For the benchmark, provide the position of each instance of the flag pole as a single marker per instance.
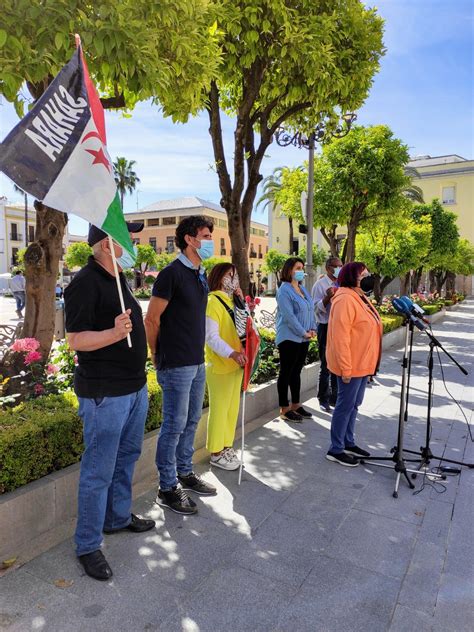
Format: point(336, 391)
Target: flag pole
point(119, 285)
point(243, 438)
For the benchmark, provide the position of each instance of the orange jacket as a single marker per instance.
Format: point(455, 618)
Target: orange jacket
point(354, 342)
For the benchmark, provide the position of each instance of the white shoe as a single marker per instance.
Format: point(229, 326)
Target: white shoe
point(233, 455)
point(225, 461)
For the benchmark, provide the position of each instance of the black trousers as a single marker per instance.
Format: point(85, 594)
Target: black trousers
point(326, 394)
point(292, 357)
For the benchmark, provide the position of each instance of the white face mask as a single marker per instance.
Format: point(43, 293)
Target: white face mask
point(336, 271)
point(230, 283)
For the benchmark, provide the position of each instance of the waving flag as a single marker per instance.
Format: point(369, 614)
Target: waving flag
point(252, 351)
point(58, 153)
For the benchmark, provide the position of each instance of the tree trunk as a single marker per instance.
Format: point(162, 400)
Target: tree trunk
point(349, 252)
point(416, 280)
point(41, 272)
point(291, 232)
point(405, 284)
point(383, 285)
point(330, 237)
point(377, 289)
point(450, 284)
point(239, 240)
point(432, 281)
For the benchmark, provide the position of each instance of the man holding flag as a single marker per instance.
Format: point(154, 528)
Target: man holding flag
point(58, 153)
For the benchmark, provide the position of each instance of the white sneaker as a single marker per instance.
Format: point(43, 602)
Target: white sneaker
point(232, 454)
point(225, 461)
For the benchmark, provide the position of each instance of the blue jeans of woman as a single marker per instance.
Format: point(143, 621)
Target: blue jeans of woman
point(349, 398)
point(113, 437)
point(183, 394)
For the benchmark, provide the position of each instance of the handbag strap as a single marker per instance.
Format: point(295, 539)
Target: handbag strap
point(228, 309)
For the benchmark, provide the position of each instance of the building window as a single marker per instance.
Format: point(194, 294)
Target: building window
point(260, 255)
point(169, 221)
point(223, 250)
point(253, 254)
point(170, 245)
point(152, 242)
point(153, 221)
point(449, 195)
point(14, 256)
point(222, 223)
point(31, 233)
point(14, 232)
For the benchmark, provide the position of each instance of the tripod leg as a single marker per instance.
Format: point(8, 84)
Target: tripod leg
point(397, 483)
point(410, 484)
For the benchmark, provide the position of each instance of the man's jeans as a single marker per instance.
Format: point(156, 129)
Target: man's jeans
point(20, 298)
point(349, 398)
point(183, 394)
point(113, 437)
point(325, 394)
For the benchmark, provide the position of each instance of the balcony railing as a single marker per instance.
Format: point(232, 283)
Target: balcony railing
point(223, 252)
point(16, 237)
point(253, 255)
point(260, 255)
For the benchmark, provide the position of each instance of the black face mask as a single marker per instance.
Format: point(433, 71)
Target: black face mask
point(367, 284)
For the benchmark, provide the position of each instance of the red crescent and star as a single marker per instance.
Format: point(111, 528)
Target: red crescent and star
point(99, 155)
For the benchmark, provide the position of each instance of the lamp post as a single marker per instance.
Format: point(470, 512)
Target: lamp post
point(259, 276)
point(298, 139)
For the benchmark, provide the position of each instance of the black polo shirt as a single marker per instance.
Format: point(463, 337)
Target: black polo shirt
point(92, 304)
point(183, 323)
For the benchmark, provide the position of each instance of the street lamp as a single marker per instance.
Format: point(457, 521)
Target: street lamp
point(259, 276)
point(299, 139)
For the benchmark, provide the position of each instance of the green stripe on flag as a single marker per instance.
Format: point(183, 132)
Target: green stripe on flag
point(115, 226)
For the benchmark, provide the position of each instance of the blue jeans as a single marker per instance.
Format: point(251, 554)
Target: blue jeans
point(349, 398)
point(20, 298)
point(113, 437)
point(183, 394)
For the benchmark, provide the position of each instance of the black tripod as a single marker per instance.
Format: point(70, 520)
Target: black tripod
point(425, 452)
point(397, 452)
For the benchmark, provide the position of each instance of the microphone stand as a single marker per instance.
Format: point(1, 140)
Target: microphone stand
point(397, 452)
point(425, 451)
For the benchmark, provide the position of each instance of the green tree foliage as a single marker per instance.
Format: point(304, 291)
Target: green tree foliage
point(319, 255)
point(125, 177)
point(358, 179)
point(282, 192)
point(208, 264)
point(77, 255)
point(273, 262)
point(283, 63)
point(392, 246)
point(146, 258)
point(163, 259)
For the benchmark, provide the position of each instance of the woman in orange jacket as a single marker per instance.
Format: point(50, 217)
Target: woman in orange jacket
point(353, 351)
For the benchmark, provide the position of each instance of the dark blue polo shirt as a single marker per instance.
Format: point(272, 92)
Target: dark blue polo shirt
point(183, 323)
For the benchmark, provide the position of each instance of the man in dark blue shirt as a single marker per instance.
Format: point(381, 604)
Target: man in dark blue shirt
point(175, 326)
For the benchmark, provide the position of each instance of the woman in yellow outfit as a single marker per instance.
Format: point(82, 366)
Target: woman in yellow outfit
point(225, 359)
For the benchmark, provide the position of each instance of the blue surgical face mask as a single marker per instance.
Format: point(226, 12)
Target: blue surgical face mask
point(126, 260)
point(336, 271)
point(298, 275)
point(206, 250)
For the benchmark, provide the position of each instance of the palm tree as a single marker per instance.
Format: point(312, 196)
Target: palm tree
point(125, 178)
point(412, 192)
point(272, 185)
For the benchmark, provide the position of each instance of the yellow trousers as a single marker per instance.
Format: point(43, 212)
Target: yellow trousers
point(224, 402)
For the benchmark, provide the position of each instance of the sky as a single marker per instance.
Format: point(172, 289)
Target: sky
point(424, 91)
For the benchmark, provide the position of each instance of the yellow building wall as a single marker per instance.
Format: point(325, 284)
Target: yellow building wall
point(463, 207)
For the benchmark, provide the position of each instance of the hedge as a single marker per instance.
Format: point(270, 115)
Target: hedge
point(43, 435)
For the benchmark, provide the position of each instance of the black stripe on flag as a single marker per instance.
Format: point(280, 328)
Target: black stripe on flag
point(36, 150)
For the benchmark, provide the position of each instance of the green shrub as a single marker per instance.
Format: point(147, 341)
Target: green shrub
point(43, 435)
point(391, 322)
point(431, 309)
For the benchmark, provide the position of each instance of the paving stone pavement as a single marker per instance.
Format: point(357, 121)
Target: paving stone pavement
point(302, 544)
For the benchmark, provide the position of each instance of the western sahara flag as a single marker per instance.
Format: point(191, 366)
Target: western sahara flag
point(58, 153)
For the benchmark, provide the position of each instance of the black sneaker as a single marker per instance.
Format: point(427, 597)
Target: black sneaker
point(325, 406)
point(291, 415)
point(177, 500)
point(354, 450)
point(195, 483)
point(342, 458)
point(303, 412)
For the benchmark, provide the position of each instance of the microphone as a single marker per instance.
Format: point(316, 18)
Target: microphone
point(403, 309)
point(415, 309)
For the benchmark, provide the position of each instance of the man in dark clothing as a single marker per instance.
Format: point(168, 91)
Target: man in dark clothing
point(110, 383)
point(175, 326)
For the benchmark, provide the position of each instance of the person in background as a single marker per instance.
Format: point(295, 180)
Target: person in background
point(18, 288)
point(176, 330)
point(58, 291)
point(353, 352)
point(225, 359)
point(295, 327)
point(110, 383)
point(322, 293)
